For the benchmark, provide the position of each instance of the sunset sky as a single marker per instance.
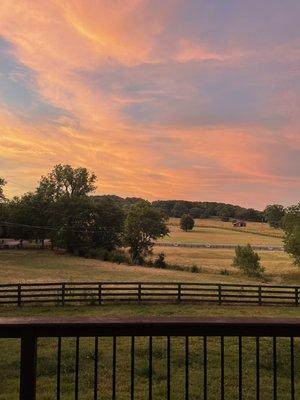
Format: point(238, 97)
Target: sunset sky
point(185, 99)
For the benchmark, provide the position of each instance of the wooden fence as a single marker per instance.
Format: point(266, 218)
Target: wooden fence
point(98, 293)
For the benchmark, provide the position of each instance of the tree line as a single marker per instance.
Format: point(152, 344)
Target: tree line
point(64, 210)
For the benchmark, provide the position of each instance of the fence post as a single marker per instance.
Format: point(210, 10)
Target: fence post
point(28, 367)
point(19, 295)
point(139, 293)
point(220, 294)
point(259, 295)
point(179, 293)
point(62, 294)
point(296, 296)
point(100, 294)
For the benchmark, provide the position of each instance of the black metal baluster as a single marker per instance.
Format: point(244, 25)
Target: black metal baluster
point(292, 369)
point(168, 368)
point(114, 360)
point(240, 368)
point(274, 369)
point(222, 367)
point(186, 368)
point(257, 370)
point(205, 368)
point(132, 368)
point(150, 369)
point(77, 369)
point(58, 370)
point(96, 351)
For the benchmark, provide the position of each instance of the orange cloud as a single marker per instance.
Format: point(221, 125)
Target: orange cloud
point(102, 63)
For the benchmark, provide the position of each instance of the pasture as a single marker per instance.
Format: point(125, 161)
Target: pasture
point(33, 266)
point(216, 231)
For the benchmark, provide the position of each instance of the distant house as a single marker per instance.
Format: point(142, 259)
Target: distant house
point(239, 224)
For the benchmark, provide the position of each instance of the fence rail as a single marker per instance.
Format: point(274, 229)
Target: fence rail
point(99, 293)
point(266, 349)
point(218, 246)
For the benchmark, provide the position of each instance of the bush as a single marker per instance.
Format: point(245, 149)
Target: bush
point(160, 262)
point(195, 269)
point(119, 257)
point(186, 223)
point(224, 272)
point(248, 261)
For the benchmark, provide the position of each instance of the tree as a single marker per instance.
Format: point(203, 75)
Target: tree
point(107, 223)
point(27, 218)
point(291, 227)
point(179, 209)
point(64, 193)
point(144, 223)
point(2, 183)
point(248, 261)
point(274, 214)
point(66, 181)
point(186, 223)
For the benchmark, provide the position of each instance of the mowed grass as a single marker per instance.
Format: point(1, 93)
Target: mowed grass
point(219, 236)
point(46, 266)
point(33, 266)
point(279, 267)
point(47, 361)
point(261, 228)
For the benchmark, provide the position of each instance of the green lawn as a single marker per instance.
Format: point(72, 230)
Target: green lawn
point(45, 266)
point(9, 359)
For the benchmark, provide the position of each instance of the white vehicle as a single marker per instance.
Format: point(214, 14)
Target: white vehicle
point(10, 244)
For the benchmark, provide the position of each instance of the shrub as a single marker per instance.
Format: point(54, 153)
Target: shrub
point(186, 223)
point(224, 272)
point(119, 257)
point(248, 261)
point(160, 262)
point(195, 269)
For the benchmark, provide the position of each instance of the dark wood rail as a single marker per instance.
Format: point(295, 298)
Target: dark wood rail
point(99, 293)
point(283, 333)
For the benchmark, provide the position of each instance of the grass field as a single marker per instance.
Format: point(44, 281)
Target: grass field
point(279, 267)
point(260, 228)
point(216, 231)
point(9, 359)
point(45, 266)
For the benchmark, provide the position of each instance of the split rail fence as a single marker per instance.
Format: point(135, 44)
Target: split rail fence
point(99, 293)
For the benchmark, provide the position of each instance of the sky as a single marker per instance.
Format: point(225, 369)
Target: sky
point(173, 99)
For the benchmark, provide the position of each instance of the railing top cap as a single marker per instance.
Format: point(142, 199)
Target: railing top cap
point(134, 321)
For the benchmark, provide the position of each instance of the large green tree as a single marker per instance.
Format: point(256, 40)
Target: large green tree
point(291, 227)
point(143, 225)
point(64, 193)
point(64, 181)
point(186, 223)
point(274, 214)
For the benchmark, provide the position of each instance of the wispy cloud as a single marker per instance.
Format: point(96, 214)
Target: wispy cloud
point(189, 99)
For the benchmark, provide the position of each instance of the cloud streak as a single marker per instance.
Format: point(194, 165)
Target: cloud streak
point(185, 99)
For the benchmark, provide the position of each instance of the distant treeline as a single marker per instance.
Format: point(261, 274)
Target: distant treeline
point(196, 209)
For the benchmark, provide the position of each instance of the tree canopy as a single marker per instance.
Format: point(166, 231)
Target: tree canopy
point(186, 223)
point(144, 224)
point(291, 227)
point(274, 214)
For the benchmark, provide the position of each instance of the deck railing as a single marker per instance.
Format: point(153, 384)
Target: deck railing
point(98, 293)
point(216, 358)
